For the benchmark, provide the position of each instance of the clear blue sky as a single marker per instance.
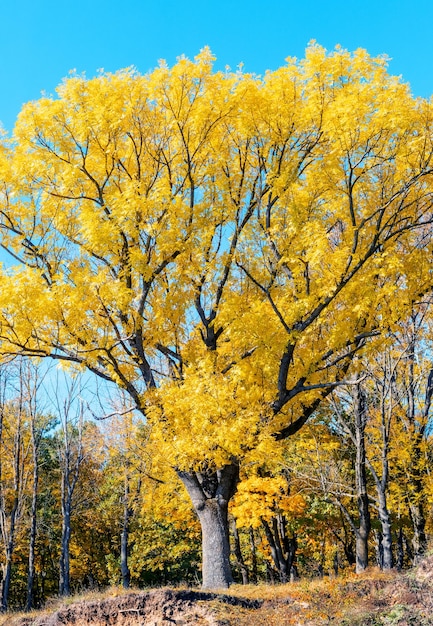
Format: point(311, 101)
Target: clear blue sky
point(41, 40)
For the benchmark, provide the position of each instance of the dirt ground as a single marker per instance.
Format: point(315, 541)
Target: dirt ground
point(374, 599)
point(161, 607)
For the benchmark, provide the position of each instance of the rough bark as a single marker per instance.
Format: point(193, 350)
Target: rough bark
point(71, 458)
point(210, 492)
point(385, 520)
point(419, 540)
point(387, 559)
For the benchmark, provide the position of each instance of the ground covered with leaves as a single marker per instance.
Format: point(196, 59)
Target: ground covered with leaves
point(374, 598)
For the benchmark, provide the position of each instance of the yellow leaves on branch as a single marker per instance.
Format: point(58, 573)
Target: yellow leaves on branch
point(259, 499)
point(177, 231)
point(207, 416)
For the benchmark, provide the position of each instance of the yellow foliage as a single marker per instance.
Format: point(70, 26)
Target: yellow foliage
point(260, 499)
point(216, 243)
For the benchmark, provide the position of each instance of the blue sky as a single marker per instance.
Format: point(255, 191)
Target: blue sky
point(41, 40)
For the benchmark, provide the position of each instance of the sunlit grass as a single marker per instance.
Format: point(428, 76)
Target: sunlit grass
point(372, 598)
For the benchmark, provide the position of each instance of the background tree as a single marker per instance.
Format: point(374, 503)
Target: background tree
point(266, 502)
point(31, 379)
point(128, 461)
point(73, 448)
point(412, 393)
point(15, 466)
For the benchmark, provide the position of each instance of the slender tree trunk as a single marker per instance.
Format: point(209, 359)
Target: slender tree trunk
point(387, 559)
point(349, 553)
point(385, 520)
point(403, 545)
point(64, 580)
point(210, 492)
point(293, 570)
point(347, 540)
point(400, 550)
point(419, 541)
point(417, 473)
point(253, 555)
point(7, 568)
point(71, 457)
point(283, 548)
point(33, 521)
point(335, 564)
point(416, 506)
point(124, 538)
point(6, 582)
point(379, 548)
point(360, 413)
point(9, 534)
point(276, 550)
point(238, 553)
point(32, 542)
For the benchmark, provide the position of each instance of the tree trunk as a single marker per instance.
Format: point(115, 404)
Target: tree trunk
point(360, 414)
point(6, 583)
point(276, 550)
point(416, 471)
point(64, 580)
point(419, 541)
point(71, 457)
point(7, 568)
point(238, 553)
point(32, 542)
point(210, 492)
point(283, 548)
point(33, 521)
point(381, 482)
point(387, 559)
point(293, 546)
point(400, 550)
point(379, 548)
point(361, 550)
point(347, 539)
point(215, 544)
point(124, 538)
point(253, 555)
point(385, 520)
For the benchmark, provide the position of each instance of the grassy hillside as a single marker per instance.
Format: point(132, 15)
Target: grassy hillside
point(373, 599)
